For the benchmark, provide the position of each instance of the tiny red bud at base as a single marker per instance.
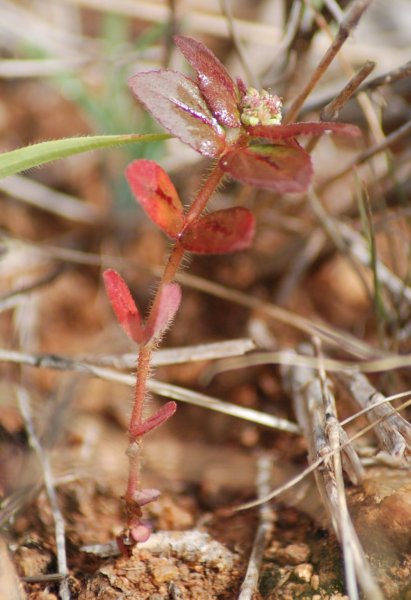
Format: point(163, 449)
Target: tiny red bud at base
point(141, 532)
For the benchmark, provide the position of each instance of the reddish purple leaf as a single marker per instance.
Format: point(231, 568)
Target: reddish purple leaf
point(283, 169)
point(159, 417)
point(223, 231)
point(123, 305)
point(214, 81)
point(282, 132)
point(166, 310)
point(176, 102)
point(155, 192)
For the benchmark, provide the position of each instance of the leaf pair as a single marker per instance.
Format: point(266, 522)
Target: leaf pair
point(200, 112)
point(228, 230)
point(128, 314)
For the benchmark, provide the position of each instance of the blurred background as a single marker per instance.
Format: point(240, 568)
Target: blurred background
point(64, 66)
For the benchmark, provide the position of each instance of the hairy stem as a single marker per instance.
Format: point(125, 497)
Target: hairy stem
point(144, 357)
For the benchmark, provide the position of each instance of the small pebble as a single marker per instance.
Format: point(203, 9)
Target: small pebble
point(293, 554)
point(315, 582)
point(304, 571)
point(164, 571)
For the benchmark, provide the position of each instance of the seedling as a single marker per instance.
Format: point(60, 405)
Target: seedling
point(240, 129)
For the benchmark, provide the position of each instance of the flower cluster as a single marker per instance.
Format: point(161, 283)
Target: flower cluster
point(221, 119)
point(260, 108)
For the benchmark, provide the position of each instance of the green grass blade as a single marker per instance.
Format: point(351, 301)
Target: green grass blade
point(39, 154)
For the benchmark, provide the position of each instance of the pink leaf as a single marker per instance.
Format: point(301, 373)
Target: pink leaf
point(157, 195)
point(159, 417)
point(141, 532)
point(176, 102)
point(213, 80)
point(282, 132)
point(168, 304)
point(145, 496)
point(223, 231)
point(123, 305)
point(283, 169)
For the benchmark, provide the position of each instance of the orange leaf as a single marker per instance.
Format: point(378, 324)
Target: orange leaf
point(157, 195)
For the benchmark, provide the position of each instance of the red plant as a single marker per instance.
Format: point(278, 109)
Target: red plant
point(240, 128)
point(222, 231)
point(220, 119)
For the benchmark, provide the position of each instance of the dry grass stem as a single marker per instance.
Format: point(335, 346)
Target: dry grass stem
point(163, 389)
point(175, 356)
point(387, 79)
point(196, 21)
point(349, 22)
point(42, 197)
point(393, 432)
point(293, 481)
point(16, 296)
point(191, 546)
point(328, 334)
point(264, 530)
point(390, 140)
point(59, 523)
point(314, 405)
point(332, 109)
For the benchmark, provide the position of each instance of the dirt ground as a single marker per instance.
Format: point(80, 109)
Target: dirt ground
point(205, 463)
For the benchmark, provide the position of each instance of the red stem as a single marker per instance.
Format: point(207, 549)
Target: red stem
point(144, 357)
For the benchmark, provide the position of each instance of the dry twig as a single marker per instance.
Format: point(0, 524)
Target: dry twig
point(393, 432)
point(332, 109)
point(162, 389)
point(330, 335)
point(59, 523)
point(314, 406)
point(346, 26)
point(191, 546)
point(263, 533)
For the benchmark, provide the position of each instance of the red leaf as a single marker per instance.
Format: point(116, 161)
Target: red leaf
point(176, 102)
point(123, 305)
point(159, 417)
point(213, 80)
point(223, 231)
point(167, 307)
point(282, 132)
point(283, 169)
point(157, 195)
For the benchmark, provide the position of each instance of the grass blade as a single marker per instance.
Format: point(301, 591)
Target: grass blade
point(39, 154)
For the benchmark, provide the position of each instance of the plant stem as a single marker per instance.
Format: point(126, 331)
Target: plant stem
point(144, 356)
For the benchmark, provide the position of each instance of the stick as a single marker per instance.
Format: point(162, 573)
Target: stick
point(59, 524)
point(163, 389)
point(332, 109)
point(263, 533)
point(394, 432)
point(347, 25)
point(314, 405)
